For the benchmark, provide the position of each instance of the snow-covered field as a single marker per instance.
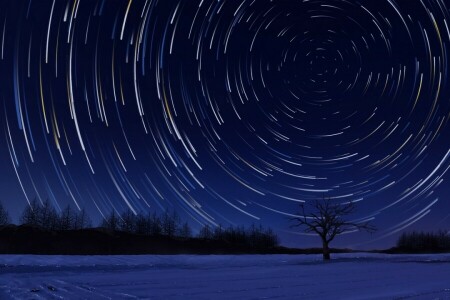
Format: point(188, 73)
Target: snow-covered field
point(348, 276)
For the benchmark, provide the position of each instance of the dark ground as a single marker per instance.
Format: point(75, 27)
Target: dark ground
point(25, 239)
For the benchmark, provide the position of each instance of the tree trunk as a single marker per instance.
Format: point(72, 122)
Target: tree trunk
point(325, 250)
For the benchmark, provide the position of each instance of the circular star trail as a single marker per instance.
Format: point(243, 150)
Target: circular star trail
point(228, 111)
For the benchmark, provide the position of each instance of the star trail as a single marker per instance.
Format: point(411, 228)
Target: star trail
point(230, 112)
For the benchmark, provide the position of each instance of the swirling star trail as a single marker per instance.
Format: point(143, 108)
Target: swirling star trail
point(229, 112)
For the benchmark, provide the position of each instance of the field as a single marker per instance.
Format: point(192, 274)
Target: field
point(348, 276)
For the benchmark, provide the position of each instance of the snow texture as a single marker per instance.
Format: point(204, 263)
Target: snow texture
point(347, 276)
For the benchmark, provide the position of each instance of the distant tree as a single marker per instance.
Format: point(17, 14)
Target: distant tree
point(218, 233)
point(31, 213)
point(260, 238)
point(270, 239)
point(66, 219)
point(185, 231)
point(206, 232)
point(111, 222)
point(4, 216)
point(42, 215)
point(73, 219)
point(47, 216)
point(81, 220)
point(154, 223)
point(255, 235)
point(170, 223)
point(424, 242)
point(235, 235)
point(127, 221)
point(142, 226)
point(328, 220)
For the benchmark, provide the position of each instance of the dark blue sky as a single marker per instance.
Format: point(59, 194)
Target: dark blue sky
point(230, 112)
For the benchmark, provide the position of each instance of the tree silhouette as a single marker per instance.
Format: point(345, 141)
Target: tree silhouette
point(81, 220)
point(66, 218)
point(111, 222)
point(127, 221)
point(42, 215)
point(328, 220)
point(424, 242)
point(30, 215)
point(4, 216)
point(206, 232)
point(142, 226)
point(154, 222)
point(48, 217)
point(170, 223)
point(185, 231)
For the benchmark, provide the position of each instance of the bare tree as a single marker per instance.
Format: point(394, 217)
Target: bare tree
point(328, 220)
point(154, 223)
point(81, 220)
point(142, 226)
point(66, 218)
point(206, 232)
point(31, 213)
point(170, 223)
point(127, 221)
point(111, 222)
point(48, 217)
point(185, 231)
point(73, 219)
point(42, 215)
point(4, 216)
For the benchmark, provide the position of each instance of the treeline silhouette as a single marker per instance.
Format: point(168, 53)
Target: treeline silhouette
point(252, 237)
point(4, 216)
point(42, 230)
point(45, 216)
point(424, 242)
point(169, 225)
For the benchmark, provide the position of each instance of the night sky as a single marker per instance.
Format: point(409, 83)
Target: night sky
point(230, 112)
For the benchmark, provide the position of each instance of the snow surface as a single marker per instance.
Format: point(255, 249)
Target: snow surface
point(348, 276)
